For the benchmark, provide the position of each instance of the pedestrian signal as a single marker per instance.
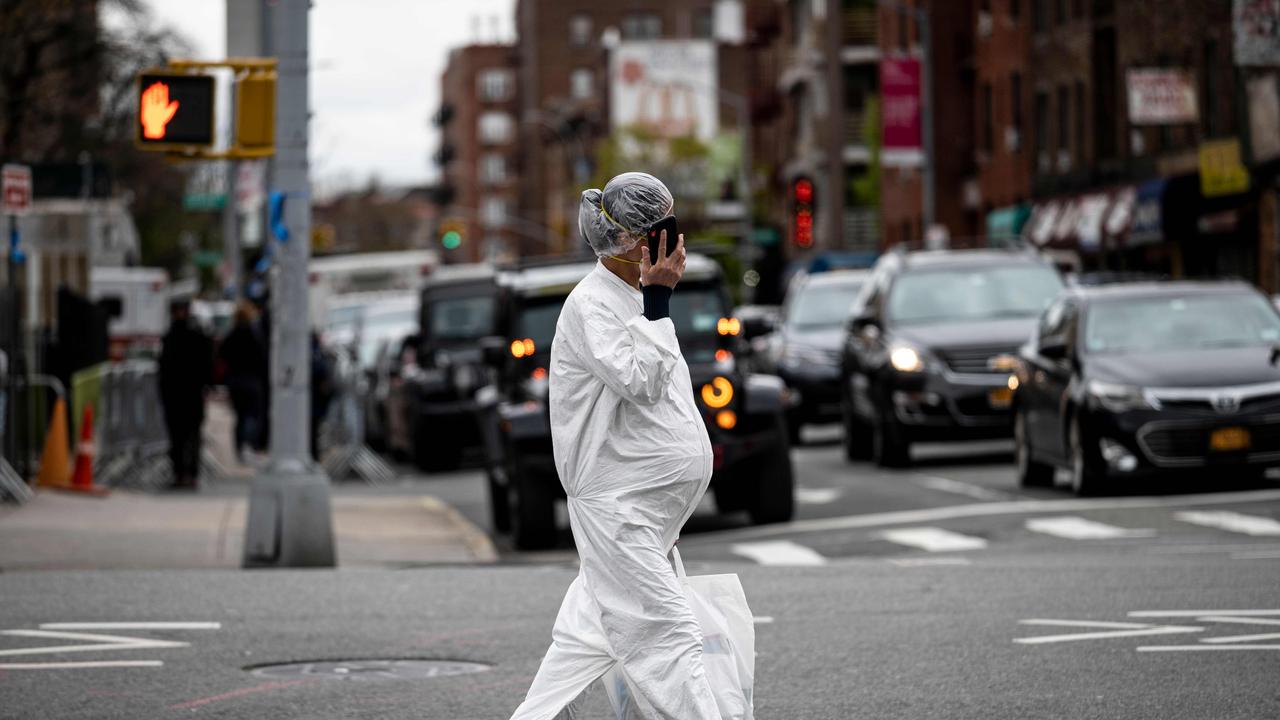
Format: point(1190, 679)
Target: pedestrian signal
point(174, 110)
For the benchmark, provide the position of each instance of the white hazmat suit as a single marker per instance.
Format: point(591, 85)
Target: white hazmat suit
point(634, 458)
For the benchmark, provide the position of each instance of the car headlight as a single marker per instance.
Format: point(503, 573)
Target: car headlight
point(907, 359)
point(1120, 398)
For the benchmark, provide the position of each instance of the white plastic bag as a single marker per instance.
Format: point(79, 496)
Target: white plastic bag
point(728, 646)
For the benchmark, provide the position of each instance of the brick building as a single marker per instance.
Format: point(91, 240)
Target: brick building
point(1002, 106)
point(563, 62)
point(956, 186)
point(478, 153)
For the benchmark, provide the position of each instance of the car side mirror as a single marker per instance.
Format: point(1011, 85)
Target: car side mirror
point(758, 326)
point(493, 350)
point(862, 322)
point(1053, 349)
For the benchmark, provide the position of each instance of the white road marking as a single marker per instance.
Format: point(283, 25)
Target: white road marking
point(81, 665)
point(1078, 528)
point(1232, 522)
point(779, 552)
point(1118, 630)
point(817, 496)
point(131, 626)
point(1241, 638)
point(932, 539)
point(1241, 621)
point(972, 510)
point(1201, 613)
point(763, 620)
point(1192, 648)
point(956, 487)
point(1196, 549)
point(104, 642)
point(928, 561)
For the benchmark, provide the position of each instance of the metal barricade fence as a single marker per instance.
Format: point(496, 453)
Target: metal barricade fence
point(342, 450)
point(130, 437)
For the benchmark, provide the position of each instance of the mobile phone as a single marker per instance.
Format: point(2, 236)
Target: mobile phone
point(654, 235)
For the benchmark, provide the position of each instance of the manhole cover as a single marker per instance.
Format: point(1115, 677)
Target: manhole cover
point(370, 669)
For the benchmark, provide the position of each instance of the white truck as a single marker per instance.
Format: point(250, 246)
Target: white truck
point(137, 299)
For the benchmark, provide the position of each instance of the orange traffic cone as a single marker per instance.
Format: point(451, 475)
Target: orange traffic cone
point(82, 478)
point(55, 461)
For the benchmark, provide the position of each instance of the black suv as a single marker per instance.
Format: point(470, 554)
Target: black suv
point(931, 346)
point(458, 312)
point(744, 413)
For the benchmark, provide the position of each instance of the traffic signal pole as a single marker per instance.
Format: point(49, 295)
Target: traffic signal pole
point(289, 523)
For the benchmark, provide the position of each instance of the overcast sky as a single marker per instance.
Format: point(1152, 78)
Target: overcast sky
point(375, 78)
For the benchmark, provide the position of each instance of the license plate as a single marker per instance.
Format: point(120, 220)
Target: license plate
point(1000, 397)
point(1229, 439)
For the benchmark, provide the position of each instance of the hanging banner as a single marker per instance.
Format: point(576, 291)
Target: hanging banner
point(1256, 25)
point(900, 103)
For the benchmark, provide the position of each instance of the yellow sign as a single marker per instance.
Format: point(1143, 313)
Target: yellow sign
point(1221, 172)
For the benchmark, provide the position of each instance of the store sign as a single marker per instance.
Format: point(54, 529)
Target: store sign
point(900, 103)
point(1256, 25)
point(1221, 172)
point(667, 88)
point(15, 189)
point(1159, 96)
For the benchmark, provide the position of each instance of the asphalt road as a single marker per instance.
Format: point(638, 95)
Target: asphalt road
point(941, 591)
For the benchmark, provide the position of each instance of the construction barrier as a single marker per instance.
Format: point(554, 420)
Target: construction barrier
point(343, 453)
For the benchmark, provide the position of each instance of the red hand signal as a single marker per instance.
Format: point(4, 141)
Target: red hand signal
point(156, 110)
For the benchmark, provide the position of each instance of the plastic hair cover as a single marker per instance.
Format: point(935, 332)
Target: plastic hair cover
point(612, 221)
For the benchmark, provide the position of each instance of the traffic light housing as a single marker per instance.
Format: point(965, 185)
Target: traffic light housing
point(175, 111)
point(802, 214)
point(453, 231)
point(256, 110)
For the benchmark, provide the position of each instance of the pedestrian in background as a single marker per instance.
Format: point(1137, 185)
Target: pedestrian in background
point(186, 370)
point(322, 390)
point(244, 355)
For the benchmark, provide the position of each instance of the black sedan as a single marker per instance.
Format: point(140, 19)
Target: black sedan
point(1146, 379)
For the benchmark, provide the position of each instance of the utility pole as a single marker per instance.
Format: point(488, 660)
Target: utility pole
point(290, 523)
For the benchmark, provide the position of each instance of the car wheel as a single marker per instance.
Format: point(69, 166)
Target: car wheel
point(889, 445)
point(1086, 479)
point(775, 497)
point(1030, 472)
point(532, 512)
point(856, 437)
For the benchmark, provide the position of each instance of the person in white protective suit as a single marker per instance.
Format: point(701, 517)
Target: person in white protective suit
point(634, 458)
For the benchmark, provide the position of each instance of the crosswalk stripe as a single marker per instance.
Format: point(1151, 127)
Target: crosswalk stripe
point(779, 552)
point(1256, 525)
point(816, 496)
point(1078, 528)
point(932, 539)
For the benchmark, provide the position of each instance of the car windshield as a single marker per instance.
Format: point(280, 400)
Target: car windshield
point(823, 305)
point(538, 323)
point(462, 318)
point(381, 327)
point(979, 293)
point(695, 312)
point(1126, 325)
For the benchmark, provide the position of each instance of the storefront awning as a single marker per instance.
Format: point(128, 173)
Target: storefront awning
point(1004, 225)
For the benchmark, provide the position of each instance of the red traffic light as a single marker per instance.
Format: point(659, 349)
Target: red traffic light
point(803, 191)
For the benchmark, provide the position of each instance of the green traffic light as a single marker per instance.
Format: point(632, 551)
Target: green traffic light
point(451, 240)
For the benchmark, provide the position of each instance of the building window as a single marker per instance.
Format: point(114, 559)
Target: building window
point(703, 23)
point(496, 128)
point(642, 26)
point(1037, 15)
point(493, 168)
point(903, 40)
point(494, 85)
point(1015, 103)
point(1015, 10)
point(1064, 129)
point(1042, 127)
point(1079, 155)
point(1210, 88)
point(580, 30)
point(1060, 13)
point(582, 83)
point(1077, 9)
point(493, 212)
point(988, 121)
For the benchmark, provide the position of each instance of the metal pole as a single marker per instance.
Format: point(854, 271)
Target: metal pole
point(929, 171)
point(289, 523)
point(744, 181)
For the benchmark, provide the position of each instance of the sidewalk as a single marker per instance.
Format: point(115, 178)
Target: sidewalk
point(129, 530)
